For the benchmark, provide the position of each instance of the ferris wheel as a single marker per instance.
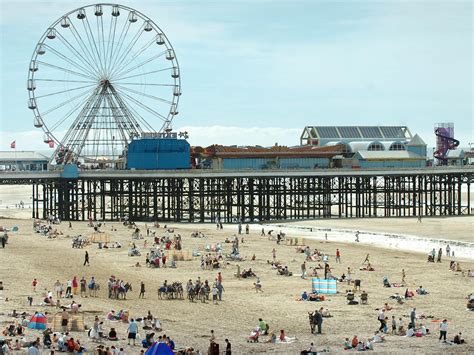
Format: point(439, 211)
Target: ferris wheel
point(100, 76)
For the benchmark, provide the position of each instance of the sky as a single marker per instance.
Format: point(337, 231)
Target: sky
point(256, 72)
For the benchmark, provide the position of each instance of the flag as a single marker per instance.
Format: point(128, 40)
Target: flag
point(13, 145)
point(51, 144)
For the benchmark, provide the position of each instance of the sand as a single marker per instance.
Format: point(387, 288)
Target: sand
point(29, 255)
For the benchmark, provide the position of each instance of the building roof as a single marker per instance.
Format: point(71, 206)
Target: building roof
point(416, 141)
point(455, 154)
point(357, 132)
point(12, 155)
point(388, 155)
point(271, 152)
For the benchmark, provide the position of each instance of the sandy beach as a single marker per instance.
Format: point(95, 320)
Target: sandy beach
point(29, 255)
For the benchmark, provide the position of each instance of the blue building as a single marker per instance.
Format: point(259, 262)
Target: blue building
point(165, 153)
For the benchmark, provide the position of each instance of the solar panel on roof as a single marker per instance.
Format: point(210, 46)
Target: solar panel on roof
point(370, 132)
point(392, 132)
point(349, 132)
point(328, 132)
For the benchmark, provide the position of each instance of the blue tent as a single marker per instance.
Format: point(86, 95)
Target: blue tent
point(159, 349)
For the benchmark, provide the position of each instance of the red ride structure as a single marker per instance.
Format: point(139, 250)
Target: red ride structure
point(444, 142)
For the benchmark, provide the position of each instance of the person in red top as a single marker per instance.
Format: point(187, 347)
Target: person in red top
point(282, 335)
point(338, 256)
point(74, 285)
point(355, 341)
point(219, 277)
point(34, 283)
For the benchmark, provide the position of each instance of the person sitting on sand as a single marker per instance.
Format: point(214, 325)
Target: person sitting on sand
point(325, 313)
point(112, 335)
point(410, 332)
point(409, 294)
point(421, 291)
point(347, 344)
point(304, 296)
point(387, 307)
point(285, 339)
point(355, 341)
point(367, 268)
point(272, 338)
point(360, 346)
point(470, 273)
point(458, 339)
point(313, 296)
point(378, 337)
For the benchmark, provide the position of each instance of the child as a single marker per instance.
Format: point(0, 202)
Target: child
point(34, 283)
point(394, 325)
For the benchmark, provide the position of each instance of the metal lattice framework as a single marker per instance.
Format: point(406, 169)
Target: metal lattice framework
point(250, 196)
point(100, 76)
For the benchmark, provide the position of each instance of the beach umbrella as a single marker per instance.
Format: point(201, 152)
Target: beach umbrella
point(159, 349)
point(38, 321)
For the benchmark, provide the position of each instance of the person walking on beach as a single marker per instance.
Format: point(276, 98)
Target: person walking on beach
point(64, 320)
point(448, 250)
point(403, 276)
point(132, 331)
point(440, 252)
point(274, 253)
point(4, 240)
point(263, 232)
point(381, 318)
point(338, 256)
point(142, 290)
point(413, 317)
point(228, 347)
point(83, 284)
point(357, 237)
point(34, 283)
point(443, 330)
point(247, 229)
point(86, 259)
point(303, 270)
point(318, 320)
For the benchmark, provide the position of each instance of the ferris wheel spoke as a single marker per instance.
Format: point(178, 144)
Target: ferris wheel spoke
point(67, 81)
point(142, 63)
point(147, 84)
point(45, 113)
point(141, 119)
point(73, 50)
point(140, 51)
point(146, 108)
point(112, 42)
point(100, 40)
point(63, 119)
point(143, 74)
point(84, 47)
point(67, 59)
point(69, 71)
point(64, 91)
point(93, 43)
point(121, 56)
point(143, 94)
point(126, 117)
